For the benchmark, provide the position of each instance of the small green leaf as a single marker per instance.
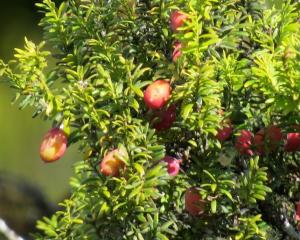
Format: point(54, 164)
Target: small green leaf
point(213, 206)
point(137, 91)
point(210, 175)
point(161, 236)
point(213, 187)
point(186, 110)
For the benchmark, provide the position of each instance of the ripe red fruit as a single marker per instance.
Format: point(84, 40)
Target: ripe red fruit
point(225, 132)
point(165, 118)
point(259, 141)
point(292, 143)
point(177, 20)
point(176, 52)
point(297, 215)
point(111, 164)
point(157, 94)
point(194, 204)
point(243, 142)
point(54, 145)
point(173, 165)
point(267, 139)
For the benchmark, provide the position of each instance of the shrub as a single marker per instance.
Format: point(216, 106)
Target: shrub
point(240, 58)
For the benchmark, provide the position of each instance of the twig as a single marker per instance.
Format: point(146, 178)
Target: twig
point(289, 229)
point(7, 232)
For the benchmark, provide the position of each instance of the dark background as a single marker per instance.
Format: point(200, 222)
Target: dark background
point(20, 134)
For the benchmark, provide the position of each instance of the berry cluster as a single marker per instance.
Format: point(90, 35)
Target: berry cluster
point(156, 99)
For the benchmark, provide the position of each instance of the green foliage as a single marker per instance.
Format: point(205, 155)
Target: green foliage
point(252, 186)
point(237, 57)
point(276, 68)
point(249, 229)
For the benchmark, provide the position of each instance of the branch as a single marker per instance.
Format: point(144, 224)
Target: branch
point(289, 229)
point(7, 232)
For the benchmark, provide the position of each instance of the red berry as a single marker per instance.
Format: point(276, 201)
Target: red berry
point(243, 142)
point(157, 94)
point(292, 143)
point(225, 132)
point(267, 139)
point(259, 141)
point(177, 20)
point(111, 164)
point(173, 165)
point(54, 145)
point(297, 215)
point(176, 52)
point(194, 204)
point(165, 118)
